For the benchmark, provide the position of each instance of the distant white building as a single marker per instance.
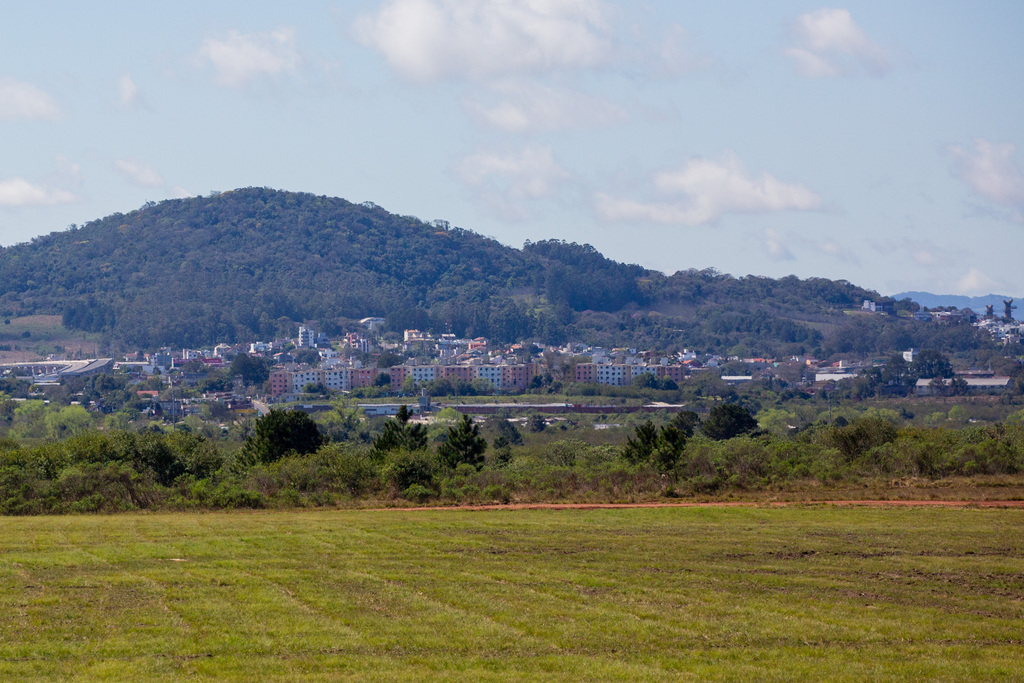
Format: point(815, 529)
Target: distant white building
point(372, 324)
point(259, 347)
point(306, 339)
point(614, 375)
point(491, 373)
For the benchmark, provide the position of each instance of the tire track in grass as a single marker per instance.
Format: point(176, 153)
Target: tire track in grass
point(576, 605)
point(551, 593)
point(412, 595)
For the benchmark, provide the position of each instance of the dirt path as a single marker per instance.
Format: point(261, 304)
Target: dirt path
point(721, 504)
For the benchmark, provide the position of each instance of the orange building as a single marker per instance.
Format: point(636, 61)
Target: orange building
point(363, 377)
point(466, 373)
point(518, 376)
point(585, 372)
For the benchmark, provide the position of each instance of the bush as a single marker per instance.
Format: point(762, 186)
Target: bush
point(417, 493)
point(403, 469)
point(727, 422)
point(464, 445)
point(860, 436)
point(280, 432)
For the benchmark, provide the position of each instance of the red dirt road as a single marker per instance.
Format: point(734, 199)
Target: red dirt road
point(724, 504)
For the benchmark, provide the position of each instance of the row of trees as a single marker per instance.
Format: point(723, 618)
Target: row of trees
point(288, 464)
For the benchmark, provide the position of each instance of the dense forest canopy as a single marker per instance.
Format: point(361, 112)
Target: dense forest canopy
point(251, 263)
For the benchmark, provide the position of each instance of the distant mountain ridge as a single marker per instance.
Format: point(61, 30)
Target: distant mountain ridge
point(975, 303)
point(254, 263)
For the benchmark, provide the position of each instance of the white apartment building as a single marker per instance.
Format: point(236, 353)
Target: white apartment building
point(613, 375)
point(259, 347)
point(492, 373)
point(306, 338)
point(423, 373)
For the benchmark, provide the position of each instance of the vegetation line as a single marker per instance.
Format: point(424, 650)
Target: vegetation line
point(710, 504)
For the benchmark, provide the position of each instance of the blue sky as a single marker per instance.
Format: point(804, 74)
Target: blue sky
point(877, 142)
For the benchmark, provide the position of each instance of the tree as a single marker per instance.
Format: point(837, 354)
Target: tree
point(316, 388)
point(535, 422)
point(645, 380)
point(310, 357)
point(253, 371)
point(68, 421)
point(399, 434)
point(728, 421)
point(930, 363)
point(464, 445)
point(685, 421)
point(343, 425)
point(504, 428)
point(389, 359)
point(896, 371)
point(662, 446)
point(280, 432)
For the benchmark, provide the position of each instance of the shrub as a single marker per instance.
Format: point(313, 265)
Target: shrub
point(403, 469)
point(279, 432)
point(860, 436)
point(728, 421)
point(464, 445)
point(417, 493)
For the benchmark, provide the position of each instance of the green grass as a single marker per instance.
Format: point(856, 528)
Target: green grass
point(652, 594)
point(46, 333)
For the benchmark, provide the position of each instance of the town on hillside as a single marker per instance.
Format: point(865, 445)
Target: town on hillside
point(416, 365)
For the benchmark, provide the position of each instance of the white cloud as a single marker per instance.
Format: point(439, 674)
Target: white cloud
point(927, 254)
point(989, 169)
point(127, 91)
point(529, 174)
point(830, 43)
point(426, 40)
point(178, 192)
point(976, 283)
point(20, 192)
point(677, 55)
point(242, 58)
point(834, 249)
point(20, 100)
point(519, 106)
point(777, 249)
point(507, 181)
point(709, 189)
point(67, 168)
point(138, 173)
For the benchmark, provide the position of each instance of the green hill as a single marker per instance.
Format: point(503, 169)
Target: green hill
point(251, 263)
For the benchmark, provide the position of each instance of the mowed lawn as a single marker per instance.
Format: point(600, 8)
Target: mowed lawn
point(758, 593)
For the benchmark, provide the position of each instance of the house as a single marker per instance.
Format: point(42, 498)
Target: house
point(886, 307)
point(975, 385)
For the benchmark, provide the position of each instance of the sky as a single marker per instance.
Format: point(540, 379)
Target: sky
point(876, 142)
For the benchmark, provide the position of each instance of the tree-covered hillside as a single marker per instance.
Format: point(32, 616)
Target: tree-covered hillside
point(251, 263)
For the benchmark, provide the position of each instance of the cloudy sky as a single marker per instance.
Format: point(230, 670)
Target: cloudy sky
point(878, 142)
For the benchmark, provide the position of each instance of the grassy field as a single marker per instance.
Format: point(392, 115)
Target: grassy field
point(654, 594)
point(45, 335)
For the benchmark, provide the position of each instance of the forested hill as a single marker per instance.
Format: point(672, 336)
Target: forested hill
point(251, 263)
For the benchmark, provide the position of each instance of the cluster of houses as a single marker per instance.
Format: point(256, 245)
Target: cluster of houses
point(507, 369)
point(345, 363)
point(508, 377)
